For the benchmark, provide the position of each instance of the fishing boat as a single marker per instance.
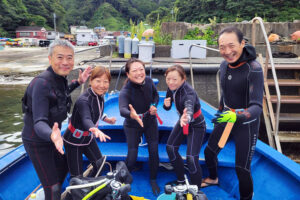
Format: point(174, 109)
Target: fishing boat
point(275, 176)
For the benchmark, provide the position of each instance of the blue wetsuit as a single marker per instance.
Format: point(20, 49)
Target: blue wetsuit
point(141, 97)
point(87, 112)
point(186, 97)
point(46, 101)
point(242, 88)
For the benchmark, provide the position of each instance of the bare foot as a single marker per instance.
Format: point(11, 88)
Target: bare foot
point(209, 182)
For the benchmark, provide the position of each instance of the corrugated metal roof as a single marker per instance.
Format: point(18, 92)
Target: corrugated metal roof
point(29, 28)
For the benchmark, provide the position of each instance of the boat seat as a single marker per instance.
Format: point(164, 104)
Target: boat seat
point(118, 151)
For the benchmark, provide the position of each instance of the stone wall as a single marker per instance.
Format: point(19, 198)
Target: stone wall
point(284, 29)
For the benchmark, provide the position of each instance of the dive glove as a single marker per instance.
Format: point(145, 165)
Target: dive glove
point(227, 116)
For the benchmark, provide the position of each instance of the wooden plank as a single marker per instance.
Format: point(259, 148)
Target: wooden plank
point(284, 82)
point(268, 123)
point(289, 136)
point(287, 99)
point(289, 117)
point(286, 66)
point(269, 103)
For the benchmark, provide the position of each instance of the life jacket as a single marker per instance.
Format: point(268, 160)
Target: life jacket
point(57, 110)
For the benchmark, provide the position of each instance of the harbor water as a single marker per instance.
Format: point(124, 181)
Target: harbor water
point(11, 117)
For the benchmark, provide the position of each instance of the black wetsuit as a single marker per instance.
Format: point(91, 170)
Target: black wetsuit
point(141, 97)
point(186, 97)
point(242, 88)
point(46, 100)
point(88, 110)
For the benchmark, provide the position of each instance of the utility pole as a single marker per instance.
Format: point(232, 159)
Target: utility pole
point(54, 20)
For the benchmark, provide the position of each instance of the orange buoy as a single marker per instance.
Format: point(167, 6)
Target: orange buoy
point(148, 33)
point(273, 37)
point(295, 35)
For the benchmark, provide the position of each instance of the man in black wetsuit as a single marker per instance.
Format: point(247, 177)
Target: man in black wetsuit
point(46, 103)
point(241, 103)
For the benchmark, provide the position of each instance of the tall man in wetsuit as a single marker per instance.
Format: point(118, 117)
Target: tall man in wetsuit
point(46, 103)
point(241, 103)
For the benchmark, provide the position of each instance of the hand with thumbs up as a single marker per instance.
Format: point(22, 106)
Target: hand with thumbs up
point(135, 116)
point(99, 134)
point(184, 118)
point(56, 138)
point(167, 102)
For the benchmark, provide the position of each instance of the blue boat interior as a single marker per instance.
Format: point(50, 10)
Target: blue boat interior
point(269, 173)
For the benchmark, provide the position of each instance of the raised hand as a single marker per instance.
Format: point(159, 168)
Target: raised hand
point(153, 110)
point(167, 102)
point(83, 76)
point(184, 118)
point(99, 134)
point(56, 138)
point(135, 116)
point(110, 120)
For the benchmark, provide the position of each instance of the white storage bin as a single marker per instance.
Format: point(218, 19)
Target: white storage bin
point(180, 49)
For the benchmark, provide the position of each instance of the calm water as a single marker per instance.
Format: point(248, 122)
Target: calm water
point(11, 117)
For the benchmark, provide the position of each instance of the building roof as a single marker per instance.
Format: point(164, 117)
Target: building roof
point(30, 28)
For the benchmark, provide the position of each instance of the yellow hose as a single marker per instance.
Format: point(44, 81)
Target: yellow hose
point(91, 193)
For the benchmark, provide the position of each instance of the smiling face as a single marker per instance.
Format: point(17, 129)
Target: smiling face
point(174, 80)
point(136, 73)
point(62, 60)
point(100, 84)
point(230, 47)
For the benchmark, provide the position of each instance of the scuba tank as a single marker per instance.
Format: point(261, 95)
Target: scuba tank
point(135, 47)
point(143, 40)
point(120, 40)
point(127, 46)
point(153, 47)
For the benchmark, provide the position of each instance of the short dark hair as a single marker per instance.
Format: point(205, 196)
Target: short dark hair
point(130, 61)
point(232, 29)
point(177, 68)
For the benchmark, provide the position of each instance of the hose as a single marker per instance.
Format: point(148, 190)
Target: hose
point(91, 193)
point(85, 185)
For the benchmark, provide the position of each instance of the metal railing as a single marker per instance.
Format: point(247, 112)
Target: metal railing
point(91, 48)
point(269, 57)
point(96, 47)
point(190, 59)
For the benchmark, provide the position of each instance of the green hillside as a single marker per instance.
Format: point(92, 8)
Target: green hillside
point(106, 15)
point(116, 14)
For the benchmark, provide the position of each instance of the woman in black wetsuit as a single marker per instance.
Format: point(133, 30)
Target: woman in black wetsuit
point(241, 103)
point(191, 125)
point(82, 130)
point(137, 102)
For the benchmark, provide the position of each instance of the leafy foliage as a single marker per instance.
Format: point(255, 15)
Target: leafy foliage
point(160, 38)
point(208, 34)
point(109, 17)
point(116, 14)
point(234, 11)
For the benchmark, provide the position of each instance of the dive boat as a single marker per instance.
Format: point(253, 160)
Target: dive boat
point(274, 175)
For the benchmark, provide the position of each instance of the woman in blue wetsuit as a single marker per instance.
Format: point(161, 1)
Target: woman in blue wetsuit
point(80, 137)
point(241, 103)
point(191, 125)
point(137, 102)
